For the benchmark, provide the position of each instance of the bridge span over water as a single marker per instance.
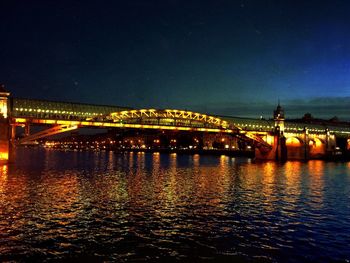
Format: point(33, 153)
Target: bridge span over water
point(276, 138)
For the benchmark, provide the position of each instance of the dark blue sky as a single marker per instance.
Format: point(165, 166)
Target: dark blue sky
point(223, 57)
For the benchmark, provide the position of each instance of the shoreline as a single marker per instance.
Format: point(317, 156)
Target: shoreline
point(249, 154)
point(214, 152)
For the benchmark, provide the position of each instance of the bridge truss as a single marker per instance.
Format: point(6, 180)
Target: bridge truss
point(163, 119)
point(170, 117)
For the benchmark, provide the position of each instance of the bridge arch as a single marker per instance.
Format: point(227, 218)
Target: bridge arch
point(169, 117)
point(295, 147)
point(316, 142)
point(317, 146)
point(294, 142)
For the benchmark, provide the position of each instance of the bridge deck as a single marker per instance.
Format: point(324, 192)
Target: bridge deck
point(22, 108)
point(54, 110)
point(296, 127)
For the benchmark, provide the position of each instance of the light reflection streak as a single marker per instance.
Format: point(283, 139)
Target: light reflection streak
point(14, 200)
point(209, 184)
point(196, 159)
point(173, 160)
point(140, 162)
point(57, 193)
point(155, 163)
point(3, 177)
point(293, 172)
point(169, 194)
point(316, 186)
point(110, 163)
point(268, 184)
point(131, 160)
point(4, 169)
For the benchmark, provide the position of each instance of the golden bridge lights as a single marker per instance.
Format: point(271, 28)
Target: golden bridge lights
point(3, 102)
point(4, 156)
point(263, 135)
point(3, 108)
point(169, 117)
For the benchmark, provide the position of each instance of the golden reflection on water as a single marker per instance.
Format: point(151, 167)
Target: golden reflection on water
point(155, 163)
point(223, 178)
point(292, 172)
point(210, 183)
point(196, 159)
point(131, 159)
point(140, 164)
point(4, 169)
point(111, 160)
point(274, 184)
point(316, 167)
point(224, 162)
point(316, 182)
point(158, 178)
point(268, 184)
point(173, 160)
point(162, 186)
point(268, 175)
point(14, 199)
point(59, 193)
point(171, 186)
point(216, 182)
point(3, 177)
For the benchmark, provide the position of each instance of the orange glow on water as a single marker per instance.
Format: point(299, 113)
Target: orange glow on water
point(3, 173)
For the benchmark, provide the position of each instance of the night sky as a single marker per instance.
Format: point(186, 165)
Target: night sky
point(221, 57)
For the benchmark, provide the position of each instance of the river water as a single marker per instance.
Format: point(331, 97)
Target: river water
point(105, 206)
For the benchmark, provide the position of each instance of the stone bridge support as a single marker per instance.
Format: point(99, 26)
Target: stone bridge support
point(310, 145)
point(276, 139)
point(278, 151)
point(4, 141)
point(4, 127)
point(298, 146)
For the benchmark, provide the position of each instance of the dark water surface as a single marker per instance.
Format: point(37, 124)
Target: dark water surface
point(105, 206)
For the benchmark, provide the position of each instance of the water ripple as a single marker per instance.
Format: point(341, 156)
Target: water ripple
point(149, 207)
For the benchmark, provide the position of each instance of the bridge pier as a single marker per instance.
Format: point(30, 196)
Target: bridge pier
point(297, 145)
point(4, 127)
point(4, 141)
point(278, 152)
point(13, 134)
point(306, 148)
point(27, 129)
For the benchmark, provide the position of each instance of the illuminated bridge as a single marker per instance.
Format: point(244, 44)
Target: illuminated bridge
point(273, 139)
